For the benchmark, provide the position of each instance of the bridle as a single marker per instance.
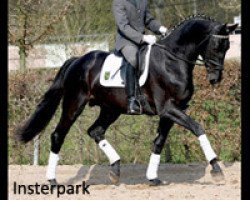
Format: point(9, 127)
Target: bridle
point(206, 60)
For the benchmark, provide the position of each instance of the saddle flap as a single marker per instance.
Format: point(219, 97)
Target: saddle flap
point(113, 71)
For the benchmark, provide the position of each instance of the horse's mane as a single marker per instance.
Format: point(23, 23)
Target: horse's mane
point(192, 17)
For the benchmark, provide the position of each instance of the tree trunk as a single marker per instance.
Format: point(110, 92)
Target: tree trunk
point(22, 55)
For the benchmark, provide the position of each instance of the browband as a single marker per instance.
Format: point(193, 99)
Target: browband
point(221, 36)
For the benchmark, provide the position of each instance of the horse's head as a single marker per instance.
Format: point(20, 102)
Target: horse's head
point(201, 35)
point(215, 51)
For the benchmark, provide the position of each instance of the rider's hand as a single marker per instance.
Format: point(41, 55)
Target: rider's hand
point(150, 39)
point(163, 30)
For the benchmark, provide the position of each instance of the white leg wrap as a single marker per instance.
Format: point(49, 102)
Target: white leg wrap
point(206, 147)
point(153, 166)
point(51, 170)
point(109, 151)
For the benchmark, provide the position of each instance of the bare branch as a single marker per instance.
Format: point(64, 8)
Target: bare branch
point(49, 28)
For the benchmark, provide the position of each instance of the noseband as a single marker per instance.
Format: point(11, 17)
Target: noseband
point(206, 60)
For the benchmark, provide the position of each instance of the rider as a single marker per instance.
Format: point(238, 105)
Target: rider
point(132, 16)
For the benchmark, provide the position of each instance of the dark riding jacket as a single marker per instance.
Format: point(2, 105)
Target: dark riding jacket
point(131, 20)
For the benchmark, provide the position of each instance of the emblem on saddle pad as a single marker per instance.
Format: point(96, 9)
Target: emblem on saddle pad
point(113, 73)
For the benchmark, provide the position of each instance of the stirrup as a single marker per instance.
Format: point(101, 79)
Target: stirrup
point(134, 106)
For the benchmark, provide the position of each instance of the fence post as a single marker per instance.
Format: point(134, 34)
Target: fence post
point(168, 156)
point(36, 150)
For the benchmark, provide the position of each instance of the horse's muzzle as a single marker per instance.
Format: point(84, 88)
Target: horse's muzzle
point(215, 77)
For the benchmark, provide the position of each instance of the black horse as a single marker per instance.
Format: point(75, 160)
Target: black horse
point(167, 91)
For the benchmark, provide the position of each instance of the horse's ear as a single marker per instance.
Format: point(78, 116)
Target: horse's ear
point(230, 27)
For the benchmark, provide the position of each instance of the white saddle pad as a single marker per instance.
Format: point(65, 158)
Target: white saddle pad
point(111, 73)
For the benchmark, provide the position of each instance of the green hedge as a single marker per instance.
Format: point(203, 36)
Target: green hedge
point(218, 110)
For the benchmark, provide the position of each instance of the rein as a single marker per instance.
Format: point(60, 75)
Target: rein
point(176, 56)
point(192, 62)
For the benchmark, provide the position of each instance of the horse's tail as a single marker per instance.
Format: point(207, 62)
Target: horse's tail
point(45, 109)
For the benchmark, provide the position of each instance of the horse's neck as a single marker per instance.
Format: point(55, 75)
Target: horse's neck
point(186, 51)
point(187, 38)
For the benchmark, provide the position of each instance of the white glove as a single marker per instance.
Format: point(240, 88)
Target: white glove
point(163, 30)
point(150, 39)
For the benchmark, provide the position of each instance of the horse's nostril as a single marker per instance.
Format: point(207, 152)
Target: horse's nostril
point(213, 81)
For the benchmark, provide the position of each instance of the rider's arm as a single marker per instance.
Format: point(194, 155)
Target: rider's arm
point(151, 23)
point(123, 23)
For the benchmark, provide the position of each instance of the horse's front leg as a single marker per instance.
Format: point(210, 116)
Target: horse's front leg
point(178, 116)
point(152, 171)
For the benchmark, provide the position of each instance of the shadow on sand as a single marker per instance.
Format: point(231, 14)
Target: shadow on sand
point(136, 174)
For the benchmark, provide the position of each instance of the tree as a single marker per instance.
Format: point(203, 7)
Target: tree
point(31, 21)
point(230, 5)
point(89, 17)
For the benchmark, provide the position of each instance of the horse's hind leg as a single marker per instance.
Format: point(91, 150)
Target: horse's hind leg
point(164, 127)
point(97, 131)
point(73, 103)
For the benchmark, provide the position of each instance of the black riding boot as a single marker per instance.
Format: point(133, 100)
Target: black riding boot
point(133, 104)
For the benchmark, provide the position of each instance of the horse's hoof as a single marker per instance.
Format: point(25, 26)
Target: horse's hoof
point(157, 182)
point(217, 175)
point(114, 173)
point(114, 178)
point(216, 171)
point(53, 182)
